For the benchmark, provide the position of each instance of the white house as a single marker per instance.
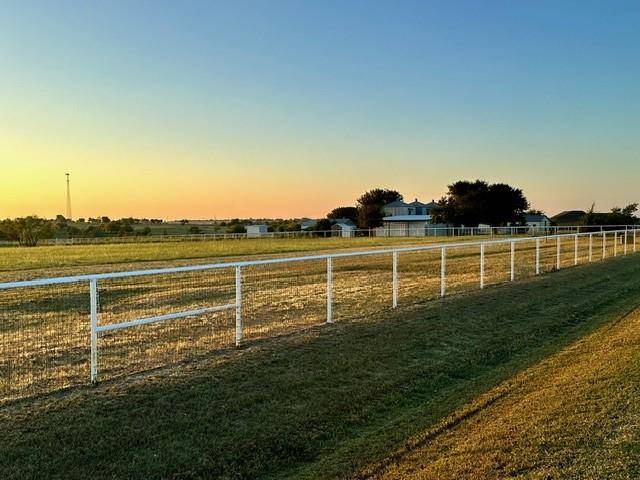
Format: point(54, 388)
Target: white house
point(255, 231)
point(407, 219)
point(538, 221)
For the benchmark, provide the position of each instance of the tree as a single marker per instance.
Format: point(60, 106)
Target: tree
point(506, 205)
point(323, 225)
point(472, 203)
point(370, 206)
point(28, 230)
point(344, 212)
point(617, 216)
point(194, 229)
point(235, 227)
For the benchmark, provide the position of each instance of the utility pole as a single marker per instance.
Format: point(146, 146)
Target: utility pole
point(68, 198)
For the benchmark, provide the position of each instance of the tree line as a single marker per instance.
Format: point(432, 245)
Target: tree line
point(465, 203)
point(29, 230)
point(468, 203)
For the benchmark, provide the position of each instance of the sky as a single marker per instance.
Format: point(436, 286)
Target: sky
point(206, 109)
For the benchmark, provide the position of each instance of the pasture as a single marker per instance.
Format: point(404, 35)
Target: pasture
point(21, 262)
point(45, 331)
point(336, 401)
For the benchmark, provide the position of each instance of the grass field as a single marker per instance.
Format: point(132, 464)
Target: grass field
point(341, 401)
point(574, 415)
point(45, 331)
point(66, 258)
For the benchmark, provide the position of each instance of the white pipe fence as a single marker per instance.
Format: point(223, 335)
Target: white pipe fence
point(435, 231)
point(449, 255)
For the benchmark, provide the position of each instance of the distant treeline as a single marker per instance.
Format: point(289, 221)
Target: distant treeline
point(29, 230)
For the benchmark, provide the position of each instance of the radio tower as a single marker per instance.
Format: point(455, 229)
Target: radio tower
point(68, 198)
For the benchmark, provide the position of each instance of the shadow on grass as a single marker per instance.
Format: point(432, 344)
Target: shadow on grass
point(323, 404)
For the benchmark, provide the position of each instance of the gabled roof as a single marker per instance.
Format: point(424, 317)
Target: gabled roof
point(432, 205)
point(535, 218)
point(343, 221)
point(416, 203)
point(343, 225)
point(396, 204)
point(407, 218)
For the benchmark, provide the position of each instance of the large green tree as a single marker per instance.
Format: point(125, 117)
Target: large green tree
point(344, 212)
point(370, 206)
point(617, 216)
point(27, 230)
point(470, 203)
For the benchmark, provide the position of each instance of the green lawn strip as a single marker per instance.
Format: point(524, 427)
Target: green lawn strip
point(318, 405)
point(574, 415)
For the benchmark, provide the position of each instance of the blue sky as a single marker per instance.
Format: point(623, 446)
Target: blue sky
point(219, 109)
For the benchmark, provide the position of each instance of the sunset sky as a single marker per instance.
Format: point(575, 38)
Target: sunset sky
point(287, 108)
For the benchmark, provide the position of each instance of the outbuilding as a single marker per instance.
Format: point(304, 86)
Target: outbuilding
point(254, 231)
point(342, 230)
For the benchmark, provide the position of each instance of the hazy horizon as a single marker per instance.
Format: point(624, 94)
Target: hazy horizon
point(258, 109)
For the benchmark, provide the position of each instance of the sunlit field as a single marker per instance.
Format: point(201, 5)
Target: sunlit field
point(355, 398)
point(14, 259)
point(45, 331)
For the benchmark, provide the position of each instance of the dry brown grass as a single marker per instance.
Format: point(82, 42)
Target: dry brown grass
point(45, 333)
point(575, 415)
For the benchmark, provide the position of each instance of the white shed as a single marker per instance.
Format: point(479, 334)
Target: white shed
point(254, 231)
point(342, 230)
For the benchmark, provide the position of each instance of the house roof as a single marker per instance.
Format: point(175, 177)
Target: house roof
point(407, 218)
point(416, 203)
point(343, 225)
point(535, 218)
point(568, 217)
point(397, 203)
point(343, 221)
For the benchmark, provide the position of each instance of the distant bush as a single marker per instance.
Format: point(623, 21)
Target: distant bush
point(27, 231)
point(235, 228)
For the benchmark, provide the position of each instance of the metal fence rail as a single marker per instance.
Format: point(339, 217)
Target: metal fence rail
point(67, 331)
point(435, 231)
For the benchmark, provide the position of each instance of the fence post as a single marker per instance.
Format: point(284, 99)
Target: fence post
point(615, 244)
point(604, 244)
point(238, 305)
point(625, 240)
point(93, 296)
point(443, 271)
point(634, 240)
point(575, 252)
point(513, 261)
point(537, 256)
point(481, 266)
point(329, 290)
point(558, 263)
point(395, 280)
point(590, 247)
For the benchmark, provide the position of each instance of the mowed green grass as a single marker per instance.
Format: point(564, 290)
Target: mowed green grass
point(331, 402)
point(575, 415)
point(15, 259)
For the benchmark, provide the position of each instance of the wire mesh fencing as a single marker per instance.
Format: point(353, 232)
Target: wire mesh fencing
point(64, 332)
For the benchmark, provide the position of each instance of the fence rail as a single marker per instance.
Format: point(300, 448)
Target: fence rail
point(66, 331)
point(436, 231)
